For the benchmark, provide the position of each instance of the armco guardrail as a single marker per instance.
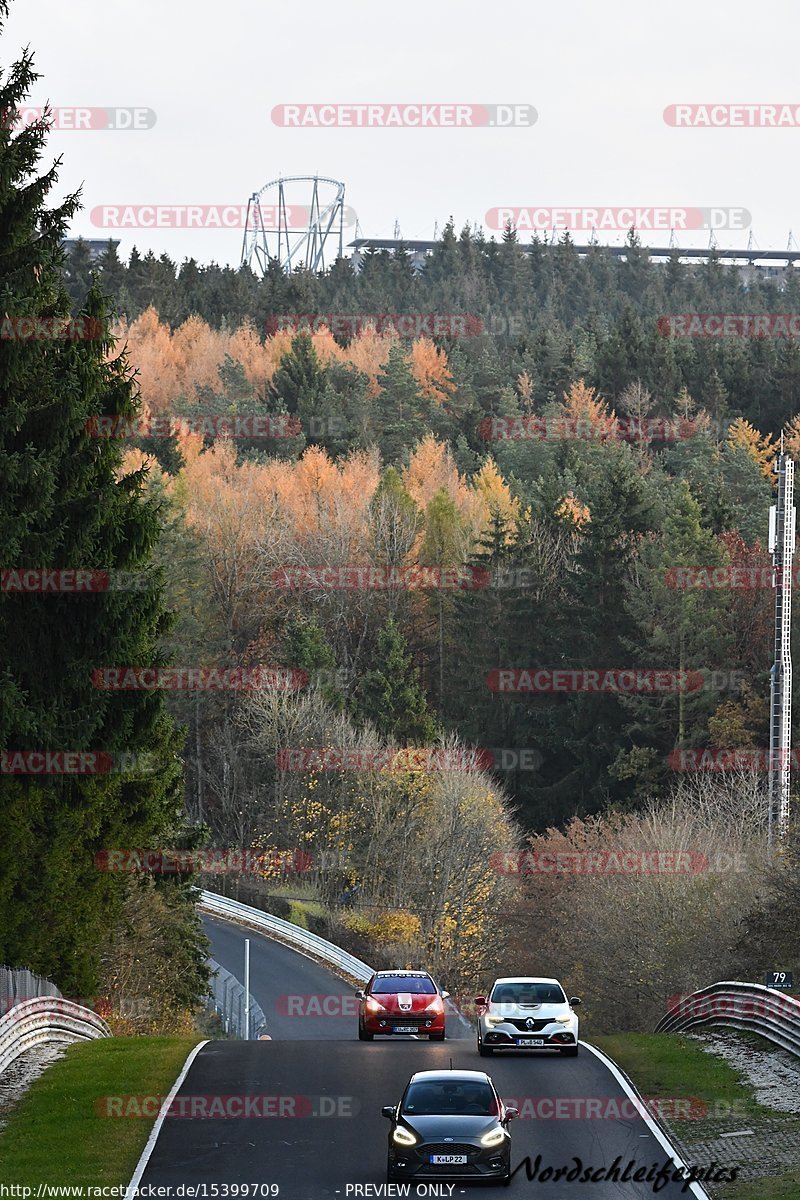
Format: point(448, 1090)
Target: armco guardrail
point(226, 998)
point(46, 1019)
point(284, 931)
point(748, 1006)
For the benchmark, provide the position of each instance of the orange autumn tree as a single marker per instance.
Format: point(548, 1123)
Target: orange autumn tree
point(572, 511)
point(761, 447)
point(495, 501)
point(583, 408)
point(431, 371)
point(369, 352)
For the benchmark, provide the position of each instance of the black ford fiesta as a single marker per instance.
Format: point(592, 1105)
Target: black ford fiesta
point(449, 1124)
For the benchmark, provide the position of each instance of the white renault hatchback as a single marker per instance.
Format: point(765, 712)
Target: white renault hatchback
point(527, 1014)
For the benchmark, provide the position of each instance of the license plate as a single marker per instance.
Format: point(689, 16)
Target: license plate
point(404, 1029)
point(449, 1160)
point(530, 1041)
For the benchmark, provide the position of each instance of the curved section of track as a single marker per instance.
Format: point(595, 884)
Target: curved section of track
point(303, 1111)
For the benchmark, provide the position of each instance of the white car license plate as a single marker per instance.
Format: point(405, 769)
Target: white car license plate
point(449, 1160)
point(404, 1029)
point(530, 1041)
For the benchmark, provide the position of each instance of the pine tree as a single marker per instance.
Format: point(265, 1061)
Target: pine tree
point(399, 409)
point(62, 506)
point(390, 695)
point(299, 382)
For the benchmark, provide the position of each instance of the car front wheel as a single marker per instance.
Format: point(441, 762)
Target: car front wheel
point(484, 1051)
point(436, 1037)
point(570, 1052)
point(363, 1036)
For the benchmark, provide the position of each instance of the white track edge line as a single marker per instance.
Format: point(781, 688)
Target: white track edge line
point(696, 1188)
point(159, 1121)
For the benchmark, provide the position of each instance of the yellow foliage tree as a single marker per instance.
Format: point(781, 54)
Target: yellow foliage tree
point(761, 447)
point(431, 371)
point(583, 406)
point(495, 500)
point(791, 436)
point(572, 510)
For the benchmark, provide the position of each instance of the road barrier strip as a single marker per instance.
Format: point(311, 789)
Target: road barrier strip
point(159, 1121)
point(658, 1132)
point(750, 1006)
point(46, 1019)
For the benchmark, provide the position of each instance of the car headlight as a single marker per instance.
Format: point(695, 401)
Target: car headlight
point(434, 1006)
point(494, 1137)
point(404, 1137)
point(564, 1020)
point(492, 1019)
point(374, 1004)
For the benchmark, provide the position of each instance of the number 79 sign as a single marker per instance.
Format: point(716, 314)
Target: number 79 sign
point(779, 979)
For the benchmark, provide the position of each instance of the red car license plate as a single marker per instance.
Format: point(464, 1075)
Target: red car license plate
point(404, 1029)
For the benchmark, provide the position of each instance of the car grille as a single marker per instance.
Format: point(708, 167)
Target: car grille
point(521, 1023)
point(447, 1148)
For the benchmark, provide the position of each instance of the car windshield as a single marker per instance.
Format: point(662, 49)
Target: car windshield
point(528, 993)
point(418, 985)
point(448, 1097)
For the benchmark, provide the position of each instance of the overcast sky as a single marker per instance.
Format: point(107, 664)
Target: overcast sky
point(598, 75)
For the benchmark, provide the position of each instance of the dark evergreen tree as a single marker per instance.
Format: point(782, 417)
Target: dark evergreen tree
point(62, 506)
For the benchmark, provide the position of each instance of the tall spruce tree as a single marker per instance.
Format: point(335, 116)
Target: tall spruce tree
point(64, 506)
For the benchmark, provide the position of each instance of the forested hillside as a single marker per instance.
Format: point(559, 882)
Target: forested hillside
point(576, 466)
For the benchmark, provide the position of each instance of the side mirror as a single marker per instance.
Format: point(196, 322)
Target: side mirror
point(360, 994)
point(480, 999)
point(511, 1113)
point(387, 1111)
point(574, 1001)
point(445, 995)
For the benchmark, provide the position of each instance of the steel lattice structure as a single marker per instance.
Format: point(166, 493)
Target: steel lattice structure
point(293, 233)
point(781, 539)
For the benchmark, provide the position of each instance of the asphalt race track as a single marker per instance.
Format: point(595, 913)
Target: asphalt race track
point(319, 1132)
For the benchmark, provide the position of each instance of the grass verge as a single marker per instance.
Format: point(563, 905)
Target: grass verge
point(57, 1133)
point(670, 1067)
point(674, 1068)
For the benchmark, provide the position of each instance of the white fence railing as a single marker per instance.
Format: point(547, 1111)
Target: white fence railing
point(284, 931)
point(748, 1006)
point(46, 1019)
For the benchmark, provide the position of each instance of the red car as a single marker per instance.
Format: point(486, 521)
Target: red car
point(401, 1002)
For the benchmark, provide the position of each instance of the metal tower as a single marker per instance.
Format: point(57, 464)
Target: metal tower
point(293, 232)
point(781, 544)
